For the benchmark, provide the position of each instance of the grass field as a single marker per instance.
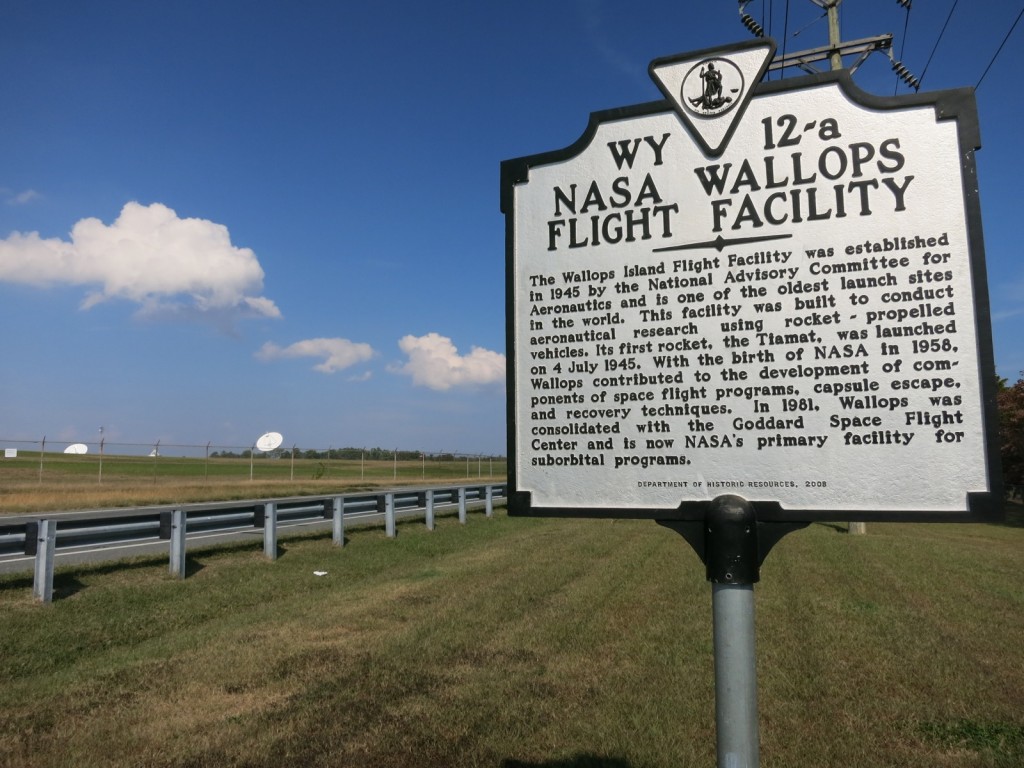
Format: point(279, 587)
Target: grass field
point(520, 642)
point(68, 482)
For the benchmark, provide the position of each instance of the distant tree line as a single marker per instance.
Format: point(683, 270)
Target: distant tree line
point(342, 454)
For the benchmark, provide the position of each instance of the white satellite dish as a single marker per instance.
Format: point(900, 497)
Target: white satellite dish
point(269, 441)
point(77, 448)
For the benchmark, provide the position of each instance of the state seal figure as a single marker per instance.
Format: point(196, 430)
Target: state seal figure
point(711, 97)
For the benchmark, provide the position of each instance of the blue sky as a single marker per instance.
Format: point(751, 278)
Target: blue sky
point(219, 219)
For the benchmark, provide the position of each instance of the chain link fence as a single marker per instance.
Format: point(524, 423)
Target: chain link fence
point(105, 461)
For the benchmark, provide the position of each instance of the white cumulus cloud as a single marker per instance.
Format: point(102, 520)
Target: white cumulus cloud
point(434, 362)
point(148, 256)
point(336, 354)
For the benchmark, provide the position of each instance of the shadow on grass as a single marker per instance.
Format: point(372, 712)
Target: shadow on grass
point(66, 585)
point(1014, 515)
point(1002, 741)
point(837, 527)
point(15, 582)
point(577, 761)
point(67, 579)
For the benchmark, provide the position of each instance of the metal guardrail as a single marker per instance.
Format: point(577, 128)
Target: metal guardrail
point(44, 536)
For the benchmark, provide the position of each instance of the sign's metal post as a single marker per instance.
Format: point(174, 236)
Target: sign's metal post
point(732, 543)
point(732, 569)
point(732, 606)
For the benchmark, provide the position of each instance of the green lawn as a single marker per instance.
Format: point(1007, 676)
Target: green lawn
point(520, 642)
point(74, 482)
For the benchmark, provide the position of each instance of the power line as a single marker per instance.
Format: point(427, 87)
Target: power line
point(941, 33)
point(906, 23)
point(809, 24)
point(1010, 32)
point(903, 43)
point(785, 31)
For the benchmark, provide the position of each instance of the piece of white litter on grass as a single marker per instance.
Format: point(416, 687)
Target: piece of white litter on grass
point(319, 573)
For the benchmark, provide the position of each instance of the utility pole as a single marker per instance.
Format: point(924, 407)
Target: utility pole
point(832, 9)
point(835, 60)
point(836, 48)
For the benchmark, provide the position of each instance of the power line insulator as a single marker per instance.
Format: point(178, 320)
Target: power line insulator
point(905, 75)
point(904, 3)
point(748, 21)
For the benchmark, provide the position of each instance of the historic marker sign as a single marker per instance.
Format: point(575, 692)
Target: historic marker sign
point(772, 289)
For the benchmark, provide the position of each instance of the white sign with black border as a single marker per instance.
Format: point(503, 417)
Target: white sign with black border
point(769, 289)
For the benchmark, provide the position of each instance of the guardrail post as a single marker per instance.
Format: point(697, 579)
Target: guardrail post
point(429, 504)
point(339, 521)
point(178, 543)
point(46, 542)
point(462, 505)
point(389, 515)
point(490, 501)
point(270, 531)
